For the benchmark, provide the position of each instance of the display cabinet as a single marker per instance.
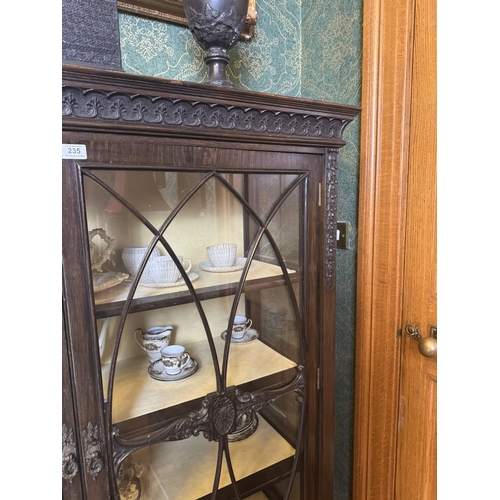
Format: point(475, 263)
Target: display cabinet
point(155, 174)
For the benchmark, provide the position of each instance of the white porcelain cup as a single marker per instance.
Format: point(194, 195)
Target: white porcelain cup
point(175, 358)
point(133, 256)
point(240, 325)
point(162, 269)
point(153, 340)
point(222, 255)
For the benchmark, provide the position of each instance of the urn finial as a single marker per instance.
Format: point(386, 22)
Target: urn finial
point(216, 26)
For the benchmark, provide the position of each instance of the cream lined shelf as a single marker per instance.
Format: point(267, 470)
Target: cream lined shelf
point(136, 393)
point(208, 285)
point(258, 270)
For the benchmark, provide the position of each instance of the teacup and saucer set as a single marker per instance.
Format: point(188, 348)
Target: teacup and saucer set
point(166, 362)
point(160, 271)
point(222, 259)
point(175, 364)
point(242, 332)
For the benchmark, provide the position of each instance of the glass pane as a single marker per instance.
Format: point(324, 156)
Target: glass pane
point(199, 304)
point(177, 470)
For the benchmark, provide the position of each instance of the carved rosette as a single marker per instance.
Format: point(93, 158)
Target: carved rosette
point(69, 454)
point(223, 415)
point(331, 217)
point(93, 453)
point(136, 109)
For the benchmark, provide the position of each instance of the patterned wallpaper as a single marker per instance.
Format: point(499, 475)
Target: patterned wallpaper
point(270, 62)
point(300, 48)
point(331, 71)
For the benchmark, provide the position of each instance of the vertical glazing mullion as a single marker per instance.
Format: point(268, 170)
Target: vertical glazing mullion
point(218, 469)
point(264, 229)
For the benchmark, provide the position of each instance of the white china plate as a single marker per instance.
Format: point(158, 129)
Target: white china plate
point(157, 371)
point(206, 265)
point(180, 281)
point(249, 335)
point(103, 281)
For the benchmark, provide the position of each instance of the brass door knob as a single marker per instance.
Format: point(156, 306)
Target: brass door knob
point(428, 347)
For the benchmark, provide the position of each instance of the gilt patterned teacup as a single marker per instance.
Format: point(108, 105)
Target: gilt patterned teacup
point(240, 325)
point(175, 358)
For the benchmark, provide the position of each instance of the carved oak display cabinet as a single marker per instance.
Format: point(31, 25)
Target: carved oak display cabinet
point(199, 240)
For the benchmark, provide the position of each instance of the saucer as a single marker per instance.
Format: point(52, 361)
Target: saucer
point(250, 424)
point(147, 282)
point(250, 335)
point(206, 265)
point(103, 281)
point(157, 371)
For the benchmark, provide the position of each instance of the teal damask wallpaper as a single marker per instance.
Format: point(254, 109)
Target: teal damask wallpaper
point(270, 62)
point(300, 48)
point(331, 71)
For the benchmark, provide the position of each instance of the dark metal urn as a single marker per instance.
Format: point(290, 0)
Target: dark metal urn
point(216, 26)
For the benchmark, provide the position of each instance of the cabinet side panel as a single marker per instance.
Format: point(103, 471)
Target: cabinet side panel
point(82, 340)
point(71, 457)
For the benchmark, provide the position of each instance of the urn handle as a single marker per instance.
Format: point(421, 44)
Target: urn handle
point(104, 257)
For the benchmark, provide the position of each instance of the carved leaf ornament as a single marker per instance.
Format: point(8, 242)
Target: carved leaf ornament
point(138, 109)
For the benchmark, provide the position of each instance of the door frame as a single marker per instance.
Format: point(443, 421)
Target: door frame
point(385, 124)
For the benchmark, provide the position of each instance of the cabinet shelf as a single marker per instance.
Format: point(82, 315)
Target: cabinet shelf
point(179, 470)
point(136, 393)
point(209, 285)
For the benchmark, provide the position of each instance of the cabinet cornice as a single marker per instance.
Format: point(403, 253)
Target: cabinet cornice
point(166, 107)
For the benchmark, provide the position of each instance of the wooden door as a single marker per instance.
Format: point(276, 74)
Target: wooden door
point(416, 462)
point(395, 447)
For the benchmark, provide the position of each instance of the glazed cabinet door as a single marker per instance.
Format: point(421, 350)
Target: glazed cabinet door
point(200, 276)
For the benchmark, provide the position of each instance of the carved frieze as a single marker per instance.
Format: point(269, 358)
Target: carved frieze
point(134, 109)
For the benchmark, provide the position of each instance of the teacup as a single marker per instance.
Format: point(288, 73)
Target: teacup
point(153, 340)
point(240, 325)
point(222, 255)
point(175, 358)
point(162, 269)
point(133, 256)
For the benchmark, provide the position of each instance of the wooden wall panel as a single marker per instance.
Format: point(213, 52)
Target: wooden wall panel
point(387, 54)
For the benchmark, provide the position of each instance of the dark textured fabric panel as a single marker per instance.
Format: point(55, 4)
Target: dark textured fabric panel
point(90, 34)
